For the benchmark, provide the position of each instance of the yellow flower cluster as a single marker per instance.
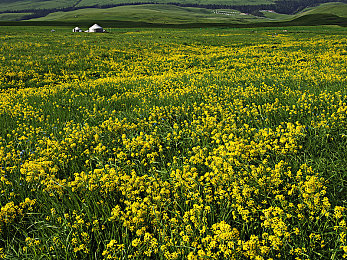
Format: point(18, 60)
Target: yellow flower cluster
point(10, 212)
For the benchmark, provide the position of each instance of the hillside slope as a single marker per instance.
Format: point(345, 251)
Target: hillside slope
point(334, 8)
point(171, 14)
point(183, 11)
point(158, 13)
point(20, 5)
point(337, 8)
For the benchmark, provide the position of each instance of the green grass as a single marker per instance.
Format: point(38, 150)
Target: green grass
point(192, 99)
point(213, 90)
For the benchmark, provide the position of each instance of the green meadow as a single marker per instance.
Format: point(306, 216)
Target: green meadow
point(173, 143)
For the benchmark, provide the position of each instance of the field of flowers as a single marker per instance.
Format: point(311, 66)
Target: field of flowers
point(173, 144)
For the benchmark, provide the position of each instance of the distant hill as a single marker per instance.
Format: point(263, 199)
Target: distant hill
point(171, 14)
point(334, 8)
point(35, 5)
point(152, 13)
point(339, 9)
point(169, 11)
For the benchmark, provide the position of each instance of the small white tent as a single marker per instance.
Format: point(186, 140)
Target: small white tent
point(96, 28)
point(76, 29)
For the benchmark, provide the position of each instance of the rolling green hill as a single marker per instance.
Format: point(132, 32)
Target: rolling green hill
point(83, 3)
point(171, 14)
point(335, 8)
point(18, 5)
point(183, 12)
point(151, 14)
point(339, 9)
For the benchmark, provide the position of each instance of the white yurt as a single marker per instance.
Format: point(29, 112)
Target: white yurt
point(76, 29)
point(96, 28)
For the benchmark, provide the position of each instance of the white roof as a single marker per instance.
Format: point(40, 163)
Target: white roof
point(77, 28)
point(95, 26)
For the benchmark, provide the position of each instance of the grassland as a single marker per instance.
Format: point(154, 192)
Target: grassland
point(217, 143)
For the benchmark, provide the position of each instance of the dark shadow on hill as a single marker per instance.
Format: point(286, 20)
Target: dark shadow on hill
point(320, 19)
